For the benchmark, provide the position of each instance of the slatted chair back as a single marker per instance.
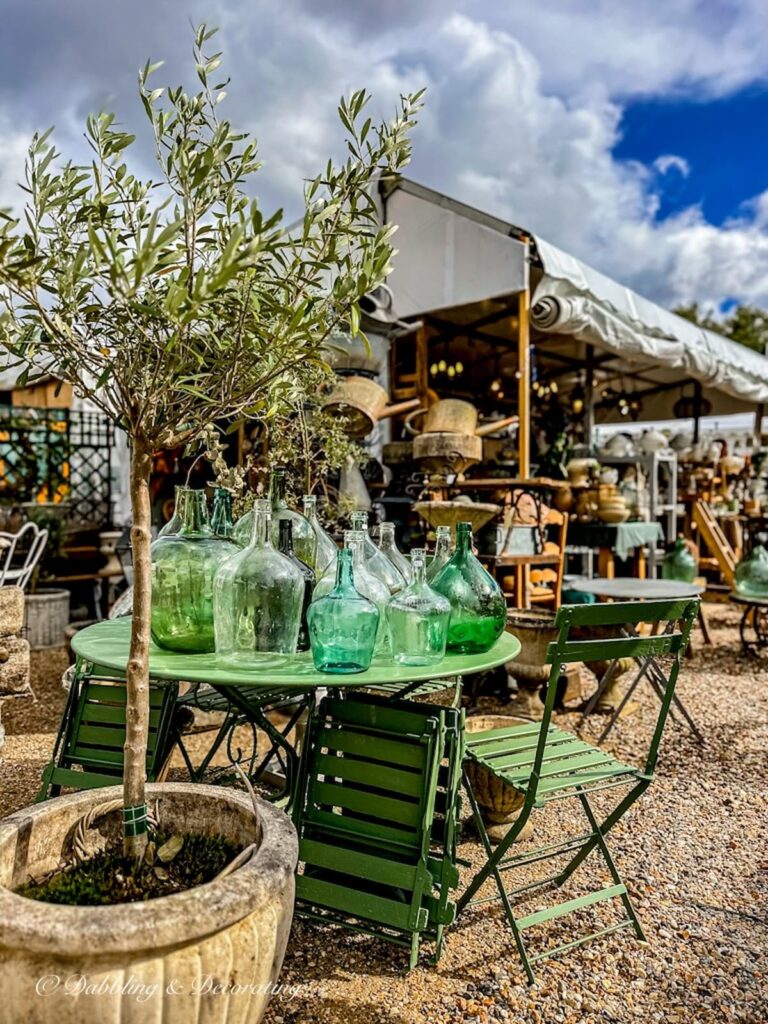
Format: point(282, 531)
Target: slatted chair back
point(373, 775)
point(624, 617)
point(89, 749)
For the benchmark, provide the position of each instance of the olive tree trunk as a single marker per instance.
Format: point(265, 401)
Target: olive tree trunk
point(137, 674)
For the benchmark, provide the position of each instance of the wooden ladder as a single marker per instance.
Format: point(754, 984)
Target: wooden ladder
point(712, 534)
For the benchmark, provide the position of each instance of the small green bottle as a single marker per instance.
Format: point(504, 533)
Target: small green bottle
point(478, 608)
point(343, 624)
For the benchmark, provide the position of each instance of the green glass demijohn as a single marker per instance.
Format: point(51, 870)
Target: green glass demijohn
point(222, 523)
point(183, 569)
point(258, 597)
point(418, 619)
point(174, 524)
point(478, 608)
point(343, 624)
point(679, 563)
point(326, 550)
point(751, 577)
point(388, 545)
point(442, 552)
point(286, 548)
point(376, 562)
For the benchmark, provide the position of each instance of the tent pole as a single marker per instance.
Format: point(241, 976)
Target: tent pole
point(422, 362)
point(589, 398)
point(758, 428)
point(523, 386)
point(696, 410)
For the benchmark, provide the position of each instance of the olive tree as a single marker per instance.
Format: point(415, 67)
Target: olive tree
point(173, 300)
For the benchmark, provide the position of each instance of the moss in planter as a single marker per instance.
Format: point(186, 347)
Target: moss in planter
point(108, 878)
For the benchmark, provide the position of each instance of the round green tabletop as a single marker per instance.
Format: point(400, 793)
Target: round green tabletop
point(105, 645)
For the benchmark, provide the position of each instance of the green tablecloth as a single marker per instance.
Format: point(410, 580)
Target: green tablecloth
point(620, 537)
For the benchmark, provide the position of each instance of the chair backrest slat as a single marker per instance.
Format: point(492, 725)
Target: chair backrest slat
point(614, 647)
point(618, 613)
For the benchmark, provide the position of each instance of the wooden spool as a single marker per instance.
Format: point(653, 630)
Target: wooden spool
point(448, 452)
point(363, 402)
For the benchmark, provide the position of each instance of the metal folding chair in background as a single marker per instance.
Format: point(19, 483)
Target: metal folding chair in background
point(547, 764)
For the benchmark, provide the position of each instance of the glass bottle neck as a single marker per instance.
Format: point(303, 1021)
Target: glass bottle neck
point(277, 488)
point(419, 566)
point(222, 507)
point(285, 538)
point(262, 517)
point(463, 539)
point(195, 513)
point(360, 521)
point(344, 576)
point(442, 541)
point(310, 508)
point(179, 498)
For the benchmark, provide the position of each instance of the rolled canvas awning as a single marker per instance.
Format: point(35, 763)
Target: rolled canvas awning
point(572, 298)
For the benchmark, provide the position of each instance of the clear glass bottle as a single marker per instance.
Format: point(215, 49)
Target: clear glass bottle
point(751, 577)
point(388, 545)
point(304, 539)
point(442, 552)
point(222, 523)
point(376, 562)
point(176, 521)
point(183, 569)
point(478, 609)
point(258, 595)
point(343, 624)
point(326, 552)
point(418, 619)
point(286, 548)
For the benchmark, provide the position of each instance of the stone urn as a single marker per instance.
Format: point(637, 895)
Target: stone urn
point(535, 629)
point(212, 953)
point(499, 803)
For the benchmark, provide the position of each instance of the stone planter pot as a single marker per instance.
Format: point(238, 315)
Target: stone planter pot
point(47, 617)
point(535, 629)
point(211, 953)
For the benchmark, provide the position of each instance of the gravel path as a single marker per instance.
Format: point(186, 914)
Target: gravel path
point(693, 852)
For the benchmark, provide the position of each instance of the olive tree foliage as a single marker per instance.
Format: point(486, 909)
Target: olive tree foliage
point(174, 300)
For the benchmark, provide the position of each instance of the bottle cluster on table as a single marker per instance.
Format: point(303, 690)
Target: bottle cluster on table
point(275, 583)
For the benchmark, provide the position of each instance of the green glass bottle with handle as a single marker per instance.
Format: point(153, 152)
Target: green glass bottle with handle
point(478, 608)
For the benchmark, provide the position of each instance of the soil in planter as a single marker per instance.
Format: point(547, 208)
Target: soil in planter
point(109, 878)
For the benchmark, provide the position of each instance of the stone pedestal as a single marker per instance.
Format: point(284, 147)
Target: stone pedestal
point(14, 651)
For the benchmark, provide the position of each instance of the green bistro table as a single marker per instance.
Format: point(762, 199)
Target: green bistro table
point(754, 619)
point(102, 650)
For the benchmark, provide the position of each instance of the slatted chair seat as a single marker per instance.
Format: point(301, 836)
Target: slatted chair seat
point(568, 762)
point(545, 763)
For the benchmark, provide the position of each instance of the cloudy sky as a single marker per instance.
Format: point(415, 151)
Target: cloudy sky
point(630, 134)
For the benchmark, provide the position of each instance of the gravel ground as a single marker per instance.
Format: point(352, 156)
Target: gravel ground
point(692, 851)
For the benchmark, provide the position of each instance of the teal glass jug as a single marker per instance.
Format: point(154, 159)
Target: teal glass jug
point(343, 624)
point(183, 569)
point(418, 619)
point(258, 597)
point(478, 608)
point(751, 577)
point(679, 563)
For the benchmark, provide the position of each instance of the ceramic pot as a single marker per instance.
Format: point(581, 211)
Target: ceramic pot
point(653, 441)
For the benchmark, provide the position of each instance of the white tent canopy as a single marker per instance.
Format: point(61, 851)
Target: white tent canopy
point(452, 255)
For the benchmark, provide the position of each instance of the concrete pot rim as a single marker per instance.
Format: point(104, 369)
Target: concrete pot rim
point(167, 921)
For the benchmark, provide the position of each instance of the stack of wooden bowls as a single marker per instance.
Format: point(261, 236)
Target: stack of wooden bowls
point(611, 506)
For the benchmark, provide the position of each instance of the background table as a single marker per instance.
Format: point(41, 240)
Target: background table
point(755, 617)
point(613, 539)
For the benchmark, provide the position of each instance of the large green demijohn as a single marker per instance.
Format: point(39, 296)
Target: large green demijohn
point(478, 608)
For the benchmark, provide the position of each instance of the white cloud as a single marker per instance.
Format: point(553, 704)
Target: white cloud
point(669, 162)
point(521, 115)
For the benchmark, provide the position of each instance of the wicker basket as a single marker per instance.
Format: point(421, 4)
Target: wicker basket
point(47, 618)
point(497, 799)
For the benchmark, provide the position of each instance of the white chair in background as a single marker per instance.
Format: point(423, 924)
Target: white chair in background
point(19, 554)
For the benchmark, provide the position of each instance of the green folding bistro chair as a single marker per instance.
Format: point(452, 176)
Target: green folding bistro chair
point(377, 818)
point(88, 752)
point(546, 764)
